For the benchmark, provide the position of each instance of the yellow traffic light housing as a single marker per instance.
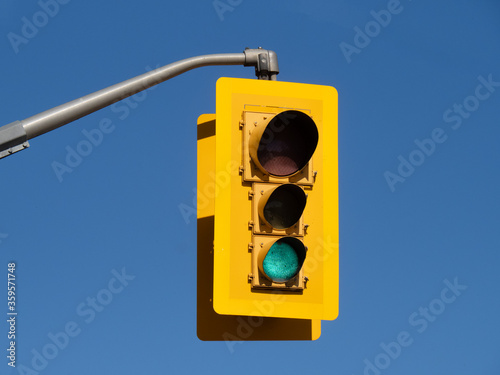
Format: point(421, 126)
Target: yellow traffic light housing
point(276, 214)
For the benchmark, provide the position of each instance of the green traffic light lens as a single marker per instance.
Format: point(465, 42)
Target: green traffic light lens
point(284, 259)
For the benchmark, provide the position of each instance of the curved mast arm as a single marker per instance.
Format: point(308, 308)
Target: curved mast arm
point(14, 136)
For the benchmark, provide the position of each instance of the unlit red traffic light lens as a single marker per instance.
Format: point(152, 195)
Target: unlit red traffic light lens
point(287, 144)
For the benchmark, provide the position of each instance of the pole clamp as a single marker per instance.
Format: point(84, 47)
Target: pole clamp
point(265, 62)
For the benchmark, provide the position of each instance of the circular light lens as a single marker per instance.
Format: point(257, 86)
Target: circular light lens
point(284, 259)
point(287, 143)
point(284, 206)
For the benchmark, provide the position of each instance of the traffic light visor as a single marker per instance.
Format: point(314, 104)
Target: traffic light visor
point(282, 145)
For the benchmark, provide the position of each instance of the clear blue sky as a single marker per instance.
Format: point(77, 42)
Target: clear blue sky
point(419, 130)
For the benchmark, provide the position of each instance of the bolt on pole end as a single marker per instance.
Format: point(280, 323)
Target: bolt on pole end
point(13, 138)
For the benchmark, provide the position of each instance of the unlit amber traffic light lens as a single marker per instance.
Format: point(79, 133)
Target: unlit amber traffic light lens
point(287, 144)
point(285, 206)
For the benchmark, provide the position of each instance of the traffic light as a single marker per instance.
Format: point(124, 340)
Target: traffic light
point(276, 200)
point(280, 146)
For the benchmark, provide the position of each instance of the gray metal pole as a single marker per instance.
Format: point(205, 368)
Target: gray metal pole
point(14, 136)
point(71, 111)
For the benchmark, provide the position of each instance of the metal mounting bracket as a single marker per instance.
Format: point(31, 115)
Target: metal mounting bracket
point(265, 62)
